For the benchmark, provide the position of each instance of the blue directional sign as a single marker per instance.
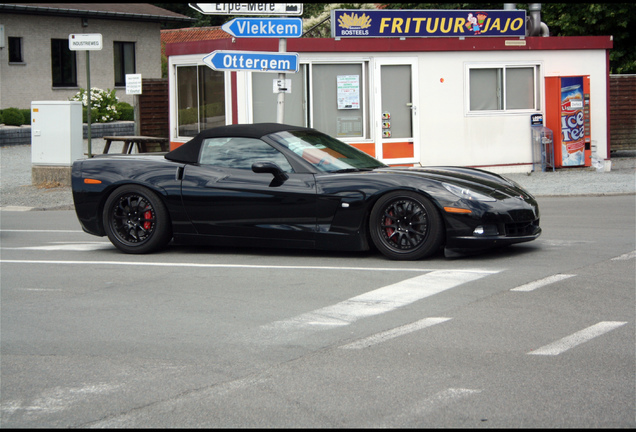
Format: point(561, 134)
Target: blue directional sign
point(252, 61)
point(265, 27)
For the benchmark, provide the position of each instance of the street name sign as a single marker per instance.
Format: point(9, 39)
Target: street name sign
point(264, 27)
point(252, 61)
point(85, 42)
point(248, 8)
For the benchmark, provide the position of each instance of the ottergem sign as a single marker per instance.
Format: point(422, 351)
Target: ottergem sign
point(252, 61)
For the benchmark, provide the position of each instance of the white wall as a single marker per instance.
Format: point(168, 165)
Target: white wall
point(23, 83)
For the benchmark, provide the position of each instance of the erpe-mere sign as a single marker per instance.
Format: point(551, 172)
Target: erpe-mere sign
point(85, 42)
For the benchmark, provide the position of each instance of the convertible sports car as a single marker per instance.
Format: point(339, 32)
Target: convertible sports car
point(277, 185)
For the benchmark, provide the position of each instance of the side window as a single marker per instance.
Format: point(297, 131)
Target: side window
point(240, 153)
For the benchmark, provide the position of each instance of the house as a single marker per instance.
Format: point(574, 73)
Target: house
point(467, 98)
point(36, 62)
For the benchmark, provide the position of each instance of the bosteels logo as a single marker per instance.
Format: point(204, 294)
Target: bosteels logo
point(354, 24)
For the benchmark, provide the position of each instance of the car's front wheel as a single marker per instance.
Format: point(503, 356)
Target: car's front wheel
point(136, 220)
point(405, 225)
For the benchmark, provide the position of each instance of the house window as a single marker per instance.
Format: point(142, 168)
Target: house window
point(503, 88)
point(200, 99)
point(124, 61)
point(63, 64)
point(325, 96)
point(15, 50)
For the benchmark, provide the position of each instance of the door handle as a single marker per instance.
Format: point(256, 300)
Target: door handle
point(412, 107)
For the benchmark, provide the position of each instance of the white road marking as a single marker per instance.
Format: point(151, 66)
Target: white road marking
point(381, 300)
point(198, 265)
point(577, 338)
point(57, 399)
point(15, 208)
point(429, 405)
point(393, 333)
point(624, 257)
point(41, 231)
point(82, 247)
point(542, 282)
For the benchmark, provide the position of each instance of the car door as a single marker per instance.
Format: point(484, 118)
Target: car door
point(223, 196)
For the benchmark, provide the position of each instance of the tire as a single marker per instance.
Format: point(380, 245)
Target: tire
point(136, 220)
point(406, 226)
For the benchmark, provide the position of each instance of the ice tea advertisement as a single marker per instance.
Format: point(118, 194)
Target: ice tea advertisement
point(427, 23)
point(572, 122)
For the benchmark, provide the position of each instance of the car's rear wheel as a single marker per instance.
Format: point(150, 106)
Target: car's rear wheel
point(405, 225)
point(136, 220)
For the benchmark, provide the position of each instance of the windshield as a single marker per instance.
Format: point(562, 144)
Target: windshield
point(325, 153)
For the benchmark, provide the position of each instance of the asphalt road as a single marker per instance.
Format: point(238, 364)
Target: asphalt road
point(535, 335)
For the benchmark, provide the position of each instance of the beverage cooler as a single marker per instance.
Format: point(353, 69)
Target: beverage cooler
point(567, 113)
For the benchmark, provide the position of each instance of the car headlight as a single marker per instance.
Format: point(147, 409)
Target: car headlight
point(466, 193)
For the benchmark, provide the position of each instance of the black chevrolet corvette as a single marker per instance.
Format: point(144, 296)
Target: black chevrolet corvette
point(277, 185)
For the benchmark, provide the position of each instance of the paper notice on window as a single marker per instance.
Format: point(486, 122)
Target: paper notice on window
point(348, 91)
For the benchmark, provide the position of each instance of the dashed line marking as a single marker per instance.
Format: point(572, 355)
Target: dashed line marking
point(393, 333)
point(542, 282)
point(577, 338)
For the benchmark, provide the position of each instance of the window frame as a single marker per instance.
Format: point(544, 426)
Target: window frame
point(62, 48)
point(119, 51)
point(11, 41)
point(502, 68)
point(198, 68)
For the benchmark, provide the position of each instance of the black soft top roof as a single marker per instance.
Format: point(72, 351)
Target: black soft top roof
point(189, 152)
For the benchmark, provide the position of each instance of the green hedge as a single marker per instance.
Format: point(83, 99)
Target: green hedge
point(19, 117)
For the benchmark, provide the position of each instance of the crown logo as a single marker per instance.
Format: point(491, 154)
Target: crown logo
point(354, 21)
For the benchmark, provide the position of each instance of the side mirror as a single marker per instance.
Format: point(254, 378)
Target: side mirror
point(271, 168)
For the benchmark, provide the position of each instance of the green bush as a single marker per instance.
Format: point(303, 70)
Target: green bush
point(27, 116)
point(13, 117)
point(126, 111)
point(1, 120)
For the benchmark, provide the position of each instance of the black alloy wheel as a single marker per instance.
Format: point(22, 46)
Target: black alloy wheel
point(136, 220)
point(405, 225)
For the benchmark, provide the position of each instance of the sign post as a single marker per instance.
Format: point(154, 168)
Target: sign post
point(281, 28)
point(88, 43)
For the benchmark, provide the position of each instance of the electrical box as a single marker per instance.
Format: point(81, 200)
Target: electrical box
point(56, 132)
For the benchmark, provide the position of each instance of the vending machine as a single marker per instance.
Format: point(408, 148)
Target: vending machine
point(567, 113)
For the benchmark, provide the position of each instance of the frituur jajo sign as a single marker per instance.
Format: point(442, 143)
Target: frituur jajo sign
point(427, 23)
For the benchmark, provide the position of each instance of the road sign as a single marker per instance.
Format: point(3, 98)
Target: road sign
point(248, 8)
point(252, 61)
point(264, 27)
point(85, 42)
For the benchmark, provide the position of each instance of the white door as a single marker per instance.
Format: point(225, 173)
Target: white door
point(396, 110)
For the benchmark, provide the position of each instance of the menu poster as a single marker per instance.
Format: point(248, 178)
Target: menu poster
point(348, 91)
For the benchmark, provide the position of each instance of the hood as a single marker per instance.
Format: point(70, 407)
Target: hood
point(479, 180)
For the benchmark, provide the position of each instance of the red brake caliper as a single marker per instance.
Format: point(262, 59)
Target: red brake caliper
point(389, 231)
point(147, 216)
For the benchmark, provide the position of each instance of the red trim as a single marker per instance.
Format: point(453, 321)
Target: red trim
point(607, 102)
point(391, 44)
